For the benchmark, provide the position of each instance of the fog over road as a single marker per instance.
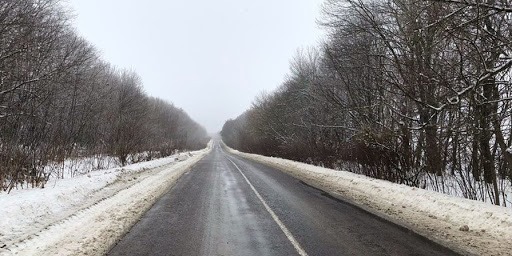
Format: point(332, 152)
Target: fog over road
point(227, 205)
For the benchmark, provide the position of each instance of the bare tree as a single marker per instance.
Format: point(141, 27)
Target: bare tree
point(416, 92)
point(59, 100)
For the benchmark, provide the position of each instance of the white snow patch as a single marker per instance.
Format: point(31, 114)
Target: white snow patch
point(86, 214)
point(434, 215)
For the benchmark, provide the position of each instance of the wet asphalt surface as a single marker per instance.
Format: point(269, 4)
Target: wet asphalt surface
point(213, 210)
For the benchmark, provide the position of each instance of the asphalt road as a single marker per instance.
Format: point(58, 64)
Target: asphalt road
point(227, 205)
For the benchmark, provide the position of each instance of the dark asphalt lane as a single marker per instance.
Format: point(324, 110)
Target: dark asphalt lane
point(214, 210)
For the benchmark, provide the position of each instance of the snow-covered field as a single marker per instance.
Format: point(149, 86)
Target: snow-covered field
point(467, 226)
point(86, 214)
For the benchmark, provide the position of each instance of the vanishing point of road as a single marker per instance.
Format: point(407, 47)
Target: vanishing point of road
point(228, 205)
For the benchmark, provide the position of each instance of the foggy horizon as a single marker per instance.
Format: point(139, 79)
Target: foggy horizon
point(212, 70)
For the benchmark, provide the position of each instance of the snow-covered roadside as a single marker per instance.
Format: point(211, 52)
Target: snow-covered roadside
point(87, 214)
point(437, 216)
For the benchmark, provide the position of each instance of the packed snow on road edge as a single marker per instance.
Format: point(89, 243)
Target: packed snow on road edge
point(114, 201)
point(466, 226)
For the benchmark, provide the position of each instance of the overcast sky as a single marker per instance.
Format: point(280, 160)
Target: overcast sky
point(210, 58)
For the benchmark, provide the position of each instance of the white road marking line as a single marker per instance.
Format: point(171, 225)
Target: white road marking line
point(285, 230)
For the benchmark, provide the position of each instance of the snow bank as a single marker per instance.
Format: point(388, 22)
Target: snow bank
point(87, 214)
point(439, 217)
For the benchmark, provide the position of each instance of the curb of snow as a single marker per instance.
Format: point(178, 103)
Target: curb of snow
point(436, 216)
point(93, 230)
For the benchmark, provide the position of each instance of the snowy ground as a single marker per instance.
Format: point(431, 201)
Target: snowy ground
point(86, 214)
point(440, 217)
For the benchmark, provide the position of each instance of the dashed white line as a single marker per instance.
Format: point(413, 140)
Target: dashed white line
point(285, 230)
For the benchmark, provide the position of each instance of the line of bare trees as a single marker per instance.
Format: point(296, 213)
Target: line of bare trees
point(58, 100)
point(415, 92)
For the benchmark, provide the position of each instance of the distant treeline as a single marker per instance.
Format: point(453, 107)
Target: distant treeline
point(58, 99)
point(414, 92)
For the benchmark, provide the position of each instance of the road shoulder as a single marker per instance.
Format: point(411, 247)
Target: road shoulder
point(95, 229)
point(417, 210)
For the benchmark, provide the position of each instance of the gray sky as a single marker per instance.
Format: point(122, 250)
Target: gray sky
point(210, 58)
